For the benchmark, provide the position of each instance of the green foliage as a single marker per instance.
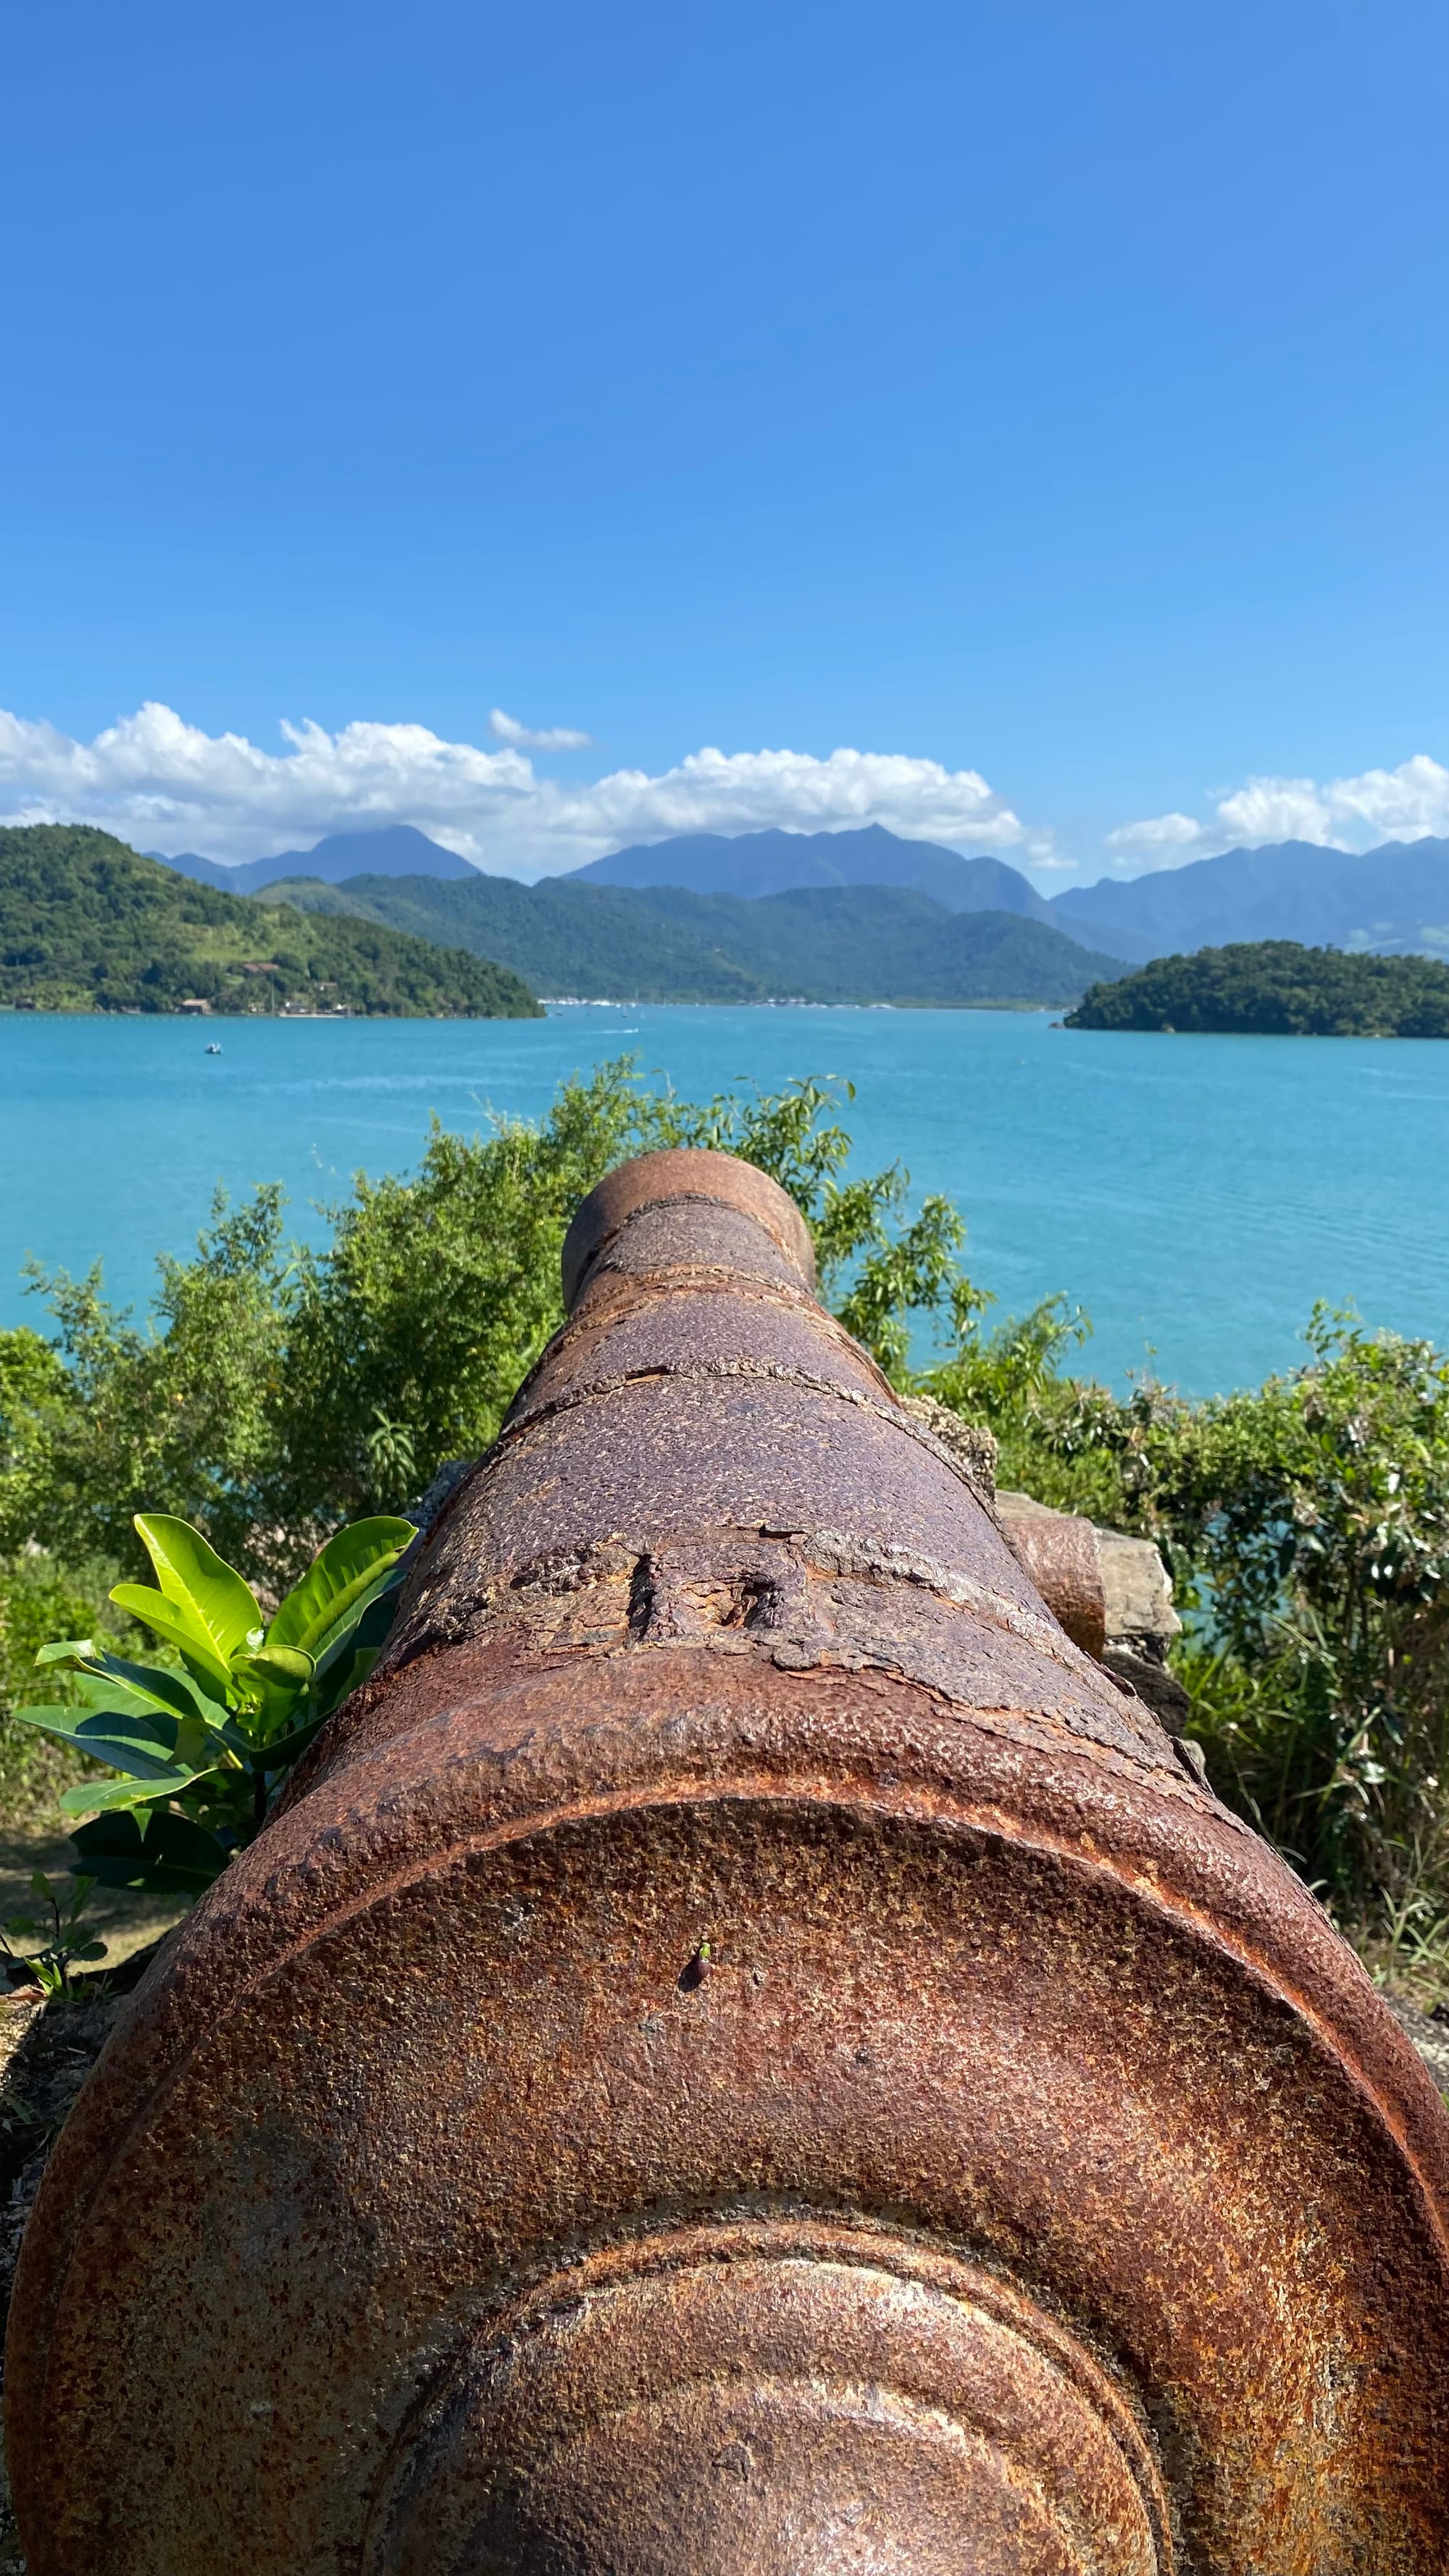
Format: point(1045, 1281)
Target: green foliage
point(88, 925)
point(664, 944)
point(1307, 1527)
point(201, 1746)
point(49, 1950)
point(593, 943)
point(884, 943)
point(1276, 988)
point(42, 1598)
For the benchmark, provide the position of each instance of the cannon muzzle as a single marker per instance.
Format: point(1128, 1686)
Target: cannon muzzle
point(744, 2052)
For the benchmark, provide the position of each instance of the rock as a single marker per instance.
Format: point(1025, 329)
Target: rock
point(1138, 1619)
point(968, 1442)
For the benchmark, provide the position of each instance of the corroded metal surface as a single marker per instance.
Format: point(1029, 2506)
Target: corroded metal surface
point(744, 2050)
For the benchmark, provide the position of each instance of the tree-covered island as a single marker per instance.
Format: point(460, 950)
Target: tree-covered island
point(1275, 988)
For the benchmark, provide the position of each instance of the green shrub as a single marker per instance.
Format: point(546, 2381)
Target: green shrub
point(41, 1598)
point(1306, 1524)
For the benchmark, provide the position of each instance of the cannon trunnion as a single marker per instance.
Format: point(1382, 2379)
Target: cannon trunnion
point(745, 2052)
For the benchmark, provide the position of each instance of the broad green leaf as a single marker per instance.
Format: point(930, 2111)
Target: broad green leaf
point(109, 1838)
point(351, 1657)
point(277, 1679)
point(105, 1796)
point(66, 1650)
point(111, 1682)
point(176, 1856)
point(338, 1584)
point(175, 1626)
point(222, 1610)
point(112, 1850)
point(279, 1752)
point(120, 1743)
point(289, 1664)
point(198, 1745)
point(345, 1676)
point(374, 1624)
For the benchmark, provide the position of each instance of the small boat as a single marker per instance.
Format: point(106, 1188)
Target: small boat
point(212, 1047)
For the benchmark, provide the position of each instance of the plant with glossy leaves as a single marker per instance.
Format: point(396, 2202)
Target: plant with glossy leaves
point(202, 1744)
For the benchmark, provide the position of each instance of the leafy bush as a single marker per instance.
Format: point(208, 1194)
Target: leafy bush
point(41, 1598)
point(1307, 1527)
point(202, 1743)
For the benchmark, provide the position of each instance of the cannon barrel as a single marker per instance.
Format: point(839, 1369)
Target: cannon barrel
point(744, 2052)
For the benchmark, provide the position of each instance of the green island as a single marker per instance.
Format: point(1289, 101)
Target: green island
point(86, 924)
point(1275, 988)
point(276, 1391)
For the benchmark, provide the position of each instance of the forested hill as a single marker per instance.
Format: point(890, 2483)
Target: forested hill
point(1274, 987)
point(664, 944)
point(88, 925)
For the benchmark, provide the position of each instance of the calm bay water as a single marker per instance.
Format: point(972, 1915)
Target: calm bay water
point(1195, 1195)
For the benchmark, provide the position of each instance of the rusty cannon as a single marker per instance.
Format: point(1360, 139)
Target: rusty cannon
point(745, 2052)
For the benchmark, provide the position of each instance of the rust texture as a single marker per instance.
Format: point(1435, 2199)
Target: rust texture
point(744, 2052)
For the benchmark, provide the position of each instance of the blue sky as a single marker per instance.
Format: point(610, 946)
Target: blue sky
point(1044, 405)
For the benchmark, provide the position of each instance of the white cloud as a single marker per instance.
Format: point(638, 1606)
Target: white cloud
point(164, 784)
point(1403, 804)
point(1156, 841)
point(553, 737)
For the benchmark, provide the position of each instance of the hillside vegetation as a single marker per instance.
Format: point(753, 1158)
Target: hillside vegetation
point(664, 944)
point(593, 943)
point(886, 944)
point(88, 925)
point(1274, 988)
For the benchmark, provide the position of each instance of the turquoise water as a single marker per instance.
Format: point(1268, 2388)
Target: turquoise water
point(1195, 1195)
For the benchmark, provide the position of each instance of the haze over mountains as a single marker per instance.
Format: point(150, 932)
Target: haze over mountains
point(765, 863)
point(1396, 897)
point(857, 915)
point(1392, 899)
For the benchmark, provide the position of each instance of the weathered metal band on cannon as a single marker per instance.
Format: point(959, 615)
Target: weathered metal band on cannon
point(746, 2050)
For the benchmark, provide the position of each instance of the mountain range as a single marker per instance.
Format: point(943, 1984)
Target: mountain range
point(398, 851)
point(766, 863)
point(1395, 898)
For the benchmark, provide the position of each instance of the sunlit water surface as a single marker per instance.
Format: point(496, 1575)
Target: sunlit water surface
point(1194, 1195)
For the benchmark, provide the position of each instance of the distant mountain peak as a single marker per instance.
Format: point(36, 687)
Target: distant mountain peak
point(757, 864)
point(1396, 896)
point(393, 850)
